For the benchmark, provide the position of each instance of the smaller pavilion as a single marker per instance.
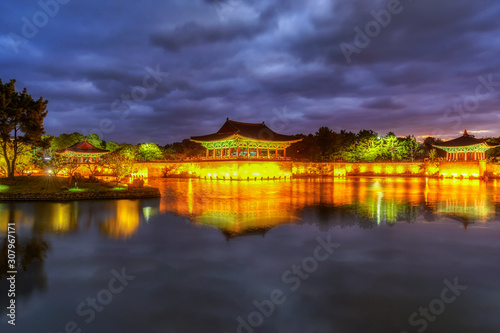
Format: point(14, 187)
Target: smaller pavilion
point(465, 148)
point(83, 152)
point(245, 140)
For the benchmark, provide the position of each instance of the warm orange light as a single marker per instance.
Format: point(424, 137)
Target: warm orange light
point(125, 222)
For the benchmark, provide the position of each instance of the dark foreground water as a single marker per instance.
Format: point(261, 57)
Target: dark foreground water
point(357, 255)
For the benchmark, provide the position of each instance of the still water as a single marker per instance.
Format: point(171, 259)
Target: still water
point(353, 255)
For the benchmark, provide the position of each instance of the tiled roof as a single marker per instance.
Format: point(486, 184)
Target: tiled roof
point(257, 131)
point(463, 141)
point(84, 147)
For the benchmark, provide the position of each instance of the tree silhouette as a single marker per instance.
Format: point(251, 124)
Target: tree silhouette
point(21, 123)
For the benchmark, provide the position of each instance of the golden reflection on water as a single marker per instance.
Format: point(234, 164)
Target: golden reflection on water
point(467, 199)
point(253, 207)
point(57, 217)
point(241, 207)
point(124, 221)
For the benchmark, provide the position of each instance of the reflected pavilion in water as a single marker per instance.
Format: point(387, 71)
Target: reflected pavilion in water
point(244, 208)
point(249, 208)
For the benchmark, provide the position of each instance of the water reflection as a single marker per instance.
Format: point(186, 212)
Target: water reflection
point(239, 208)
point(123, 221)
point(31, 251)
point(179, 265)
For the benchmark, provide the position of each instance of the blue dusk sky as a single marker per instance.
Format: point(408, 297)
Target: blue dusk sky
point(162, 71)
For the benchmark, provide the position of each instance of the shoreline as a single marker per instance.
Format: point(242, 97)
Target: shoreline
point(141, 193)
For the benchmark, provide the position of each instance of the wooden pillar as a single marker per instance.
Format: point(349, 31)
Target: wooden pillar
point(230, 151)
point(447, 156)
point(267, 151)
point(214, 152)
point(475, 155)
point(207, 152)
point(284, 152)
point(238, 151)
point(465, 156)
point(248, 152)
point(257, 151)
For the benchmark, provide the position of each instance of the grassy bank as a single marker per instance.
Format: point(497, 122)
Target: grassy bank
point(54, 188)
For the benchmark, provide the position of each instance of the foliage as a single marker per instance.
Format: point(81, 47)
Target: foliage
point(391, 146)
point(25, 160)
point(183, 150)
point(60, 162)
point(120, 162)
point(95, 141)
point(432, 154)
point(149, 152)
point(325, 139)
point(192, 149)
point(112, 146)
point(307, 149)
point(65, 140)
point(128, 150)
point(410, 148)
point(430, 168)
point(364, 148)
point(21, 122)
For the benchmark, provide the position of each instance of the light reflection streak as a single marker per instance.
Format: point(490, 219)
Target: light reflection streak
point(244, 207)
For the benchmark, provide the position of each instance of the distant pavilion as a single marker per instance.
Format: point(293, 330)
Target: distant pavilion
point(245, 140)
point(83, 152)
point(465, 148)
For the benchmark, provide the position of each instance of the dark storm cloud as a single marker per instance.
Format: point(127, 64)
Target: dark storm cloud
point(384, 103)
point(249, 60)
point(192, 33)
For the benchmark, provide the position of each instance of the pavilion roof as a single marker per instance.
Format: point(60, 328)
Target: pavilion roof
point(463, 141)
point(84, 147)
point(256, 131)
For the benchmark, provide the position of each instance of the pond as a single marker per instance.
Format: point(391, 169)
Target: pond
point(305, 256)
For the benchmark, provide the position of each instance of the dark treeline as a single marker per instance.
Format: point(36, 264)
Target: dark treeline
point(368, 146)
point(323, 145)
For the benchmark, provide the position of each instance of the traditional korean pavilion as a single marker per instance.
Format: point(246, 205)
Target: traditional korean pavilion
point(83, 152)
point(465, 148)
point(245, 140)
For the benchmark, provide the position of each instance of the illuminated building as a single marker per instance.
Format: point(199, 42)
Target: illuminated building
point(465, 148)
point(83, 152)
point(237, 140)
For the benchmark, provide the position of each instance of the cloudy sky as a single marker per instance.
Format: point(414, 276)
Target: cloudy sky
point(137, 71)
